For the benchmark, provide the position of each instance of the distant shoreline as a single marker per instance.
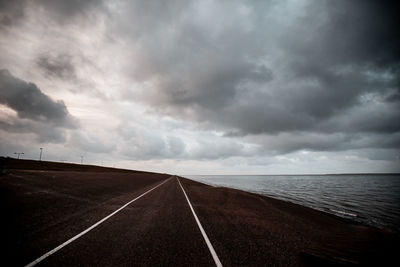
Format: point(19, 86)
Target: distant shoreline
point(325, 174)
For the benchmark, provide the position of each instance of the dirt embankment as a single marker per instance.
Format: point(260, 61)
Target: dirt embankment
point(25, 164)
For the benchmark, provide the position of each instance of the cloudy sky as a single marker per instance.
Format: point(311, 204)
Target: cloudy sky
point(203, 87)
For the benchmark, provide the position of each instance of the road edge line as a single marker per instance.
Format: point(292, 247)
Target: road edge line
point(209, 245)
point(33, 263)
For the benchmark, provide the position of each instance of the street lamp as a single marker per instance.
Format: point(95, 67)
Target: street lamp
point(18, 153)
point(40, 156)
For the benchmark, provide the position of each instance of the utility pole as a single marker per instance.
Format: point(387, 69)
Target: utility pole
point(81, 159)
point(40, 156)
point(18, 153)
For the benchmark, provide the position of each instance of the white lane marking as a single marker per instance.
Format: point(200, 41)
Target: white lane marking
point(89, 229)
point(209, 245)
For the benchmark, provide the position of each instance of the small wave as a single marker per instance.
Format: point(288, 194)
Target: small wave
point(344, 213)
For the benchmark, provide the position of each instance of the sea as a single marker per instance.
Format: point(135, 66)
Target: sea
point(370, 199)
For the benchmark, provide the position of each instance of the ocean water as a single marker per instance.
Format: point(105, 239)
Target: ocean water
point(371, 199)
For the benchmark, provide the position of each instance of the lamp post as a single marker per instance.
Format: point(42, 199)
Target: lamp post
point(40, 156)
point(18, 153)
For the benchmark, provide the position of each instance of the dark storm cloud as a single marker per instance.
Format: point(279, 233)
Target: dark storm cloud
point(29, 102)
point(262, 68)
point(57, 66)
point(341, 105)
point(269, 77)
point(349, 32)
point(43, 132)
point(11, 12)
point(69, 8)
point(289, 142)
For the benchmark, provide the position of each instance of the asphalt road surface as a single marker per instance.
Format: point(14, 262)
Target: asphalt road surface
point(43, 209)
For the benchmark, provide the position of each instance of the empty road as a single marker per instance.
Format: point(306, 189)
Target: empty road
point(72, 218)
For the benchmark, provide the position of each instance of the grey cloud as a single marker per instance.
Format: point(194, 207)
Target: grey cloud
point(209, 150)
point(42, 132)
point(393, 97)
point(58, 66)
point(69, 8)
point(155, 14)
point(347, 32)
point(139, 143)
point(286, 143)
point(270, 75)
point(210, 87)
point(11, 12)
point(191, 64)
point(347, 40)
point(175, 145)
point(91, 143)
point(282, 76)
point(37, 114)
point(316, 106)
point(390, 155)
point(30, 102)
point(375, 116)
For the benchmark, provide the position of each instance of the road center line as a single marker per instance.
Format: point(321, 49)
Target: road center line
point(209, 245)
point(90, 228)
